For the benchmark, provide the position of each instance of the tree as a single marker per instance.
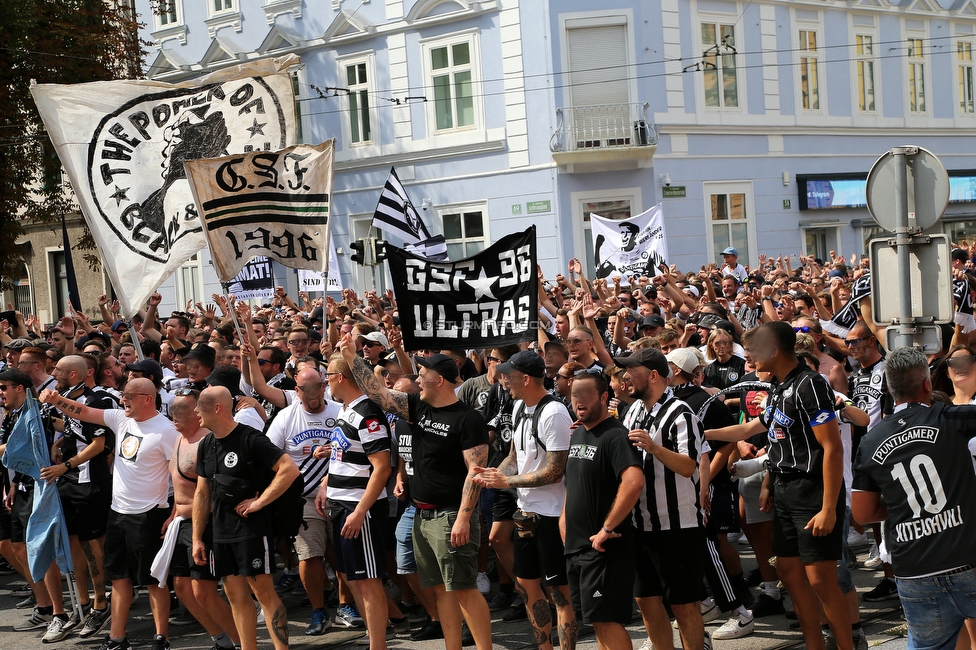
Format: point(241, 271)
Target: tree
point(51, 41)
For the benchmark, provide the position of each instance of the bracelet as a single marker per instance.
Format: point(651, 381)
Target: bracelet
point(767, 298)
point(607, 531)
point(332, 320)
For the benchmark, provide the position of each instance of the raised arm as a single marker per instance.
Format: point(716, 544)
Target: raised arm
point(392, 401)
point(72, 408)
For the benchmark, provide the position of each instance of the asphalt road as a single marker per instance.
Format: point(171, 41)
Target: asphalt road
point(882, 622)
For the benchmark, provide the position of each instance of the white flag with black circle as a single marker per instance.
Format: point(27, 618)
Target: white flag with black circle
point(271, 203)
point(123, 144)
point(630, 247)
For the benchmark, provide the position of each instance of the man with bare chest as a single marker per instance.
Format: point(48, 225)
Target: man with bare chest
point(195, 584)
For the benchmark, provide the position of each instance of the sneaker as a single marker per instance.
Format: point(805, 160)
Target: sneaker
point(319, 624)
point(27, 603)
point(517, 614)
point(830, 643)
point(56, 629)
point(860, 640)
point(159, 643)
point(709, 613)
point(466, 638)
point(484, 584)
point(332, 595)
point(874, 557)
point(886, 590)
point(736, 627)
point(501, 601)
point(348, 617)
point(429, 632)
point(35, 622)
point(286, 582)
point(754, 578)
point(766, 605)
point(74, 620)
point(856, 539)
point(116, 645)
point(183, 617)
point(364, 640)
point(96, 621)
point(21, 590)
point(260, 614)
point(6, 569)
point(400, 626)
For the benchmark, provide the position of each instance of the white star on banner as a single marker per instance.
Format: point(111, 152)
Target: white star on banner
point(482, 285)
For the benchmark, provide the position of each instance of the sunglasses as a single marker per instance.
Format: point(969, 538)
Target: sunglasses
point(297, 341)
point(575, 341)
point(491, 359)
point(803, 328)
point(262, 362)
point(961, 363)
point(852, 342)
point(317, 328)
point(587, 372)
point(372, 344)
point(562, 376)
point(4, 387)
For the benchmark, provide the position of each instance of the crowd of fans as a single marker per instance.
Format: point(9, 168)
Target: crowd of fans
point(298, 448)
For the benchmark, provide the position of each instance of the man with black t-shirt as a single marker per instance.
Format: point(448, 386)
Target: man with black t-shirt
point(914, 472)
point(604, 480)
point(85, 486)
point(806, 459)
point(355, 491)
point(230, 459)
point(450, 439)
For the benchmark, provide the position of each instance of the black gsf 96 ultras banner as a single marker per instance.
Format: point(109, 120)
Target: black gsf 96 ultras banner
point(486, 300)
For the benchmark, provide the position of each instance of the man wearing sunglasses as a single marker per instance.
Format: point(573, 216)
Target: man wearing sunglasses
point(374, 345)
point(869, 392)
point(144, 444)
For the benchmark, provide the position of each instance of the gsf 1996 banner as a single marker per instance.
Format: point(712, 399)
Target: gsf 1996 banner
point(486, 300)
point(123, 144)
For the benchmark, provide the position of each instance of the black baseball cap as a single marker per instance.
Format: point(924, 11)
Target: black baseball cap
point(202, 353)
point(526, 362)
point(653, 321)
point(442, 364)
point(960, 254)
point(649, 358)
point(148, 368)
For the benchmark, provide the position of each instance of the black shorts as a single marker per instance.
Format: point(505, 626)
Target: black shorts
point(131, 544)
point(671, 563)
point(541, 557)
point(362, 557)
point(182, 564)
point(19, 514)
point(797, 498)
point(249, 557)
point(601, 585)
point(505, 505)
point(86, 507)
point(6, 523)
point(724, 515)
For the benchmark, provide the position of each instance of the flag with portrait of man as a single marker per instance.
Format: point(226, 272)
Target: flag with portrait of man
point(631, 247)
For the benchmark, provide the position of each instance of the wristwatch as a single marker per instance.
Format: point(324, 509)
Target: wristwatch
point(67, 464)
point(607, 531)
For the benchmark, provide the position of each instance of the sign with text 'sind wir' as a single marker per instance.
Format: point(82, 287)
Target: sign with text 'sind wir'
point(486, 300)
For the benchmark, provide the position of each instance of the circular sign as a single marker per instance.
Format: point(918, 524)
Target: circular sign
point(927, 192)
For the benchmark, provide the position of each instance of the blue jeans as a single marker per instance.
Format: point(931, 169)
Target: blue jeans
point(404, 538)
point(937, 607)
point(844, 577)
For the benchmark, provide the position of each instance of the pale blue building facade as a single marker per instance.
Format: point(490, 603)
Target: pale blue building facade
point(753, 123)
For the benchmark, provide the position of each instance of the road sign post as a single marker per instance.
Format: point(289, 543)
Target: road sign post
point(907, 192)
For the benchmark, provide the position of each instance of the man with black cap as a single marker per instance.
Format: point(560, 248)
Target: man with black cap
point(450, 440)
point(651, 326)
point(199, 362)
point(669, 515)
point(535, 466)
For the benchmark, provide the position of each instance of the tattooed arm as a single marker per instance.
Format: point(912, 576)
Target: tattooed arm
point(392, 401)
point(473, 458)
point(72, 408)
point(551, 473)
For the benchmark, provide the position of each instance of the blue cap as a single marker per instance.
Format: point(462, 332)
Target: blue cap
point(730, 251)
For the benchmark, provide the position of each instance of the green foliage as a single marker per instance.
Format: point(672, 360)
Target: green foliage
point(50, 41)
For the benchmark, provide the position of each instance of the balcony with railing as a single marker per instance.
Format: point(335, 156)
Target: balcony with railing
point(603, 137)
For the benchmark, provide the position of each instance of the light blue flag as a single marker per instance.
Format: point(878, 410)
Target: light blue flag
point(47, 533)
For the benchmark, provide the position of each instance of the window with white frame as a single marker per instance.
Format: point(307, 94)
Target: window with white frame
point(451, 69)
point(916, 76)
point(464, 230)
point(189, 281)
point(357, 81)
point(864, 60)
point(964, 61)
point(731, 219)
point(166, 13)
point(809, 70)
point(719, 65)
point(218, 7)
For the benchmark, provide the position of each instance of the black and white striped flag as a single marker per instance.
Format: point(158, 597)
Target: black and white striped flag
point(397, 216)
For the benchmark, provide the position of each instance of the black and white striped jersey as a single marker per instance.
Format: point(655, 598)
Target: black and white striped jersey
point(363, 430)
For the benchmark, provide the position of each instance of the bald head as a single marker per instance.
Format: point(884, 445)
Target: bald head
point(308, 375)
point(74, 363)
point(217, 395)
point(140, 386)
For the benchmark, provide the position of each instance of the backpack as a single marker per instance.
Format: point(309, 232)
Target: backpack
point(517, 420)
point(286, 513)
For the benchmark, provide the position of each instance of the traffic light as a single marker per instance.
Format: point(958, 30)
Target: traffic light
point(359, 254)
point(379, 250)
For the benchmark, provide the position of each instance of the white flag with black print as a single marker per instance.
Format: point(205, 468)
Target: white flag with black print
point(271, 203)
point(396, 216)
point(313, 281)
point(123, 144)
point(631, 247)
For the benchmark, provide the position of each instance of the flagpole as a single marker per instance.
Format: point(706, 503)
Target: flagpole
point(135, 340)
point(230, 308)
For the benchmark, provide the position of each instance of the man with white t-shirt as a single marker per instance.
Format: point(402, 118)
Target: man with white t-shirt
point(144, 444)
point(304, 431)
point(535, 466)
